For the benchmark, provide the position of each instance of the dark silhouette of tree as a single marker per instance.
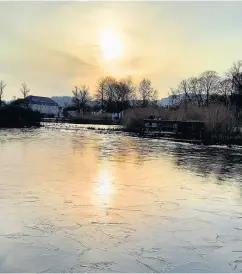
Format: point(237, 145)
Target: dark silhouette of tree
point(24, 90)
point(105, 92)
point(81, 98)
point(208, 83)
point(194, 85)
point(224, 91)
point(101, 93)
point(235, 76)
point(124, 92)
point(131, 88)
point(198, 90)
point(184, 88)
point(2, 87)
point(146, 93)
point(115, 95)
point(188, 92)
point(175, 96)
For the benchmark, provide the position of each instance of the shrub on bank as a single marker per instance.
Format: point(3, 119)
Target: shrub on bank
point(12, 116)
point(219, 120)
point(133, 118)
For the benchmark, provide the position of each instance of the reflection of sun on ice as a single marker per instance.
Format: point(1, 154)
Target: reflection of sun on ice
point(104, 189)
point(111, 44)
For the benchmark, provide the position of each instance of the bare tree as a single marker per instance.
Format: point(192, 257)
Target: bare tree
point(225, 90)
point(235, 76)
point(2, 87)
point(210, 87)
point(105, 90)
point(175, 96)
point(187, 91)
point(131, 86)
point(115, 95)
point(101, 92)
point(208, 83)
point(146, 92)
point(124, 93)
point(81, 98)
point(24, 89)
point(195, 91)
point(184, 89)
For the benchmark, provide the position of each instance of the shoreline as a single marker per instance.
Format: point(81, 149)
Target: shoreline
point(225, 141)
point(114, 128)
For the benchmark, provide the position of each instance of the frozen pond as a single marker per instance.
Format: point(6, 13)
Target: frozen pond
point(79, 201)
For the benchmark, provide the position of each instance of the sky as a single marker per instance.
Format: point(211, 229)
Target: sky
point(53, 46)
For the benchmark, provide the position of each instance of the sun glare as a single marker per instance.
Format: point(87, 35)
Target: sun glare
point(111, 44)
point(104, 188)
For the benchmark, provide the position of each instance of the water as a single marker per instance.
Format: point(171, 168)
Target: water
point(73, 200)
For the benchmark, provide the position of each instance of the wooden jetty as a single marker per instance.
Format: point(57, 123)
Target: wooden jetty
point(193, 130)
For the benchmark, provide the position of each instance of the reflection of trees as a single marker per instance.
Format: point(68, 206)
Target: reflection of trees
point(82, 143)
point(223, 163)
point(119, 148)
point(85, 150)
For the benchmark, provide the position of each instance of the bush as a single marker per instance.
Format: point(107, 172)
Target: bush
point(219, 119)
point(12, 116)
point(133, 118)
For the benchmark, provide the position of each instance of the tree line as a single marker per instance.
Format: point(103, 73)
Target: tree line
point(209, 87)
point(115, 95)
point(111, 94)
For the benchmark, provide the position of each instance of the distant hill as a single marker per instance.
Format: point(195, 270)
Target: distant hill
point(62, 101)
point(165, 102)
point(177, 99)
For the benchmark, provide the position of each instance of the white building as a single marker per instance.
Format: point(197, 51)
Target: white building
point(117, 116)
point(44, 105)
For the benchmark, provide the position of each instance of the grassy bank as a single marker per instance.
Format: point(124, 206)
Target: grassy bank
point(17, 117)
point(221, 123)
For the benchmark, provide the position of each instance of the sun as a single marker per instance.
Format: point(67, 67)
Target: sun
point(110, 44)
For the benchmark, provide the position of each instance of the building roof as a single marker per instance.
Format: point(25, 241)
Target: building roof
point(41, 100)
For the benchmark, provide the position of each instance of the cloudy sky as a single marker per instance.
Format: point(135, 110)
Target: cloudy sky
point(53, 46)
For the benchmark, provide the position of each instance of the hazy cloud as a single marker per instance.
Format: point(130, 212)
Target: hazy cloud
point(54, 45)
